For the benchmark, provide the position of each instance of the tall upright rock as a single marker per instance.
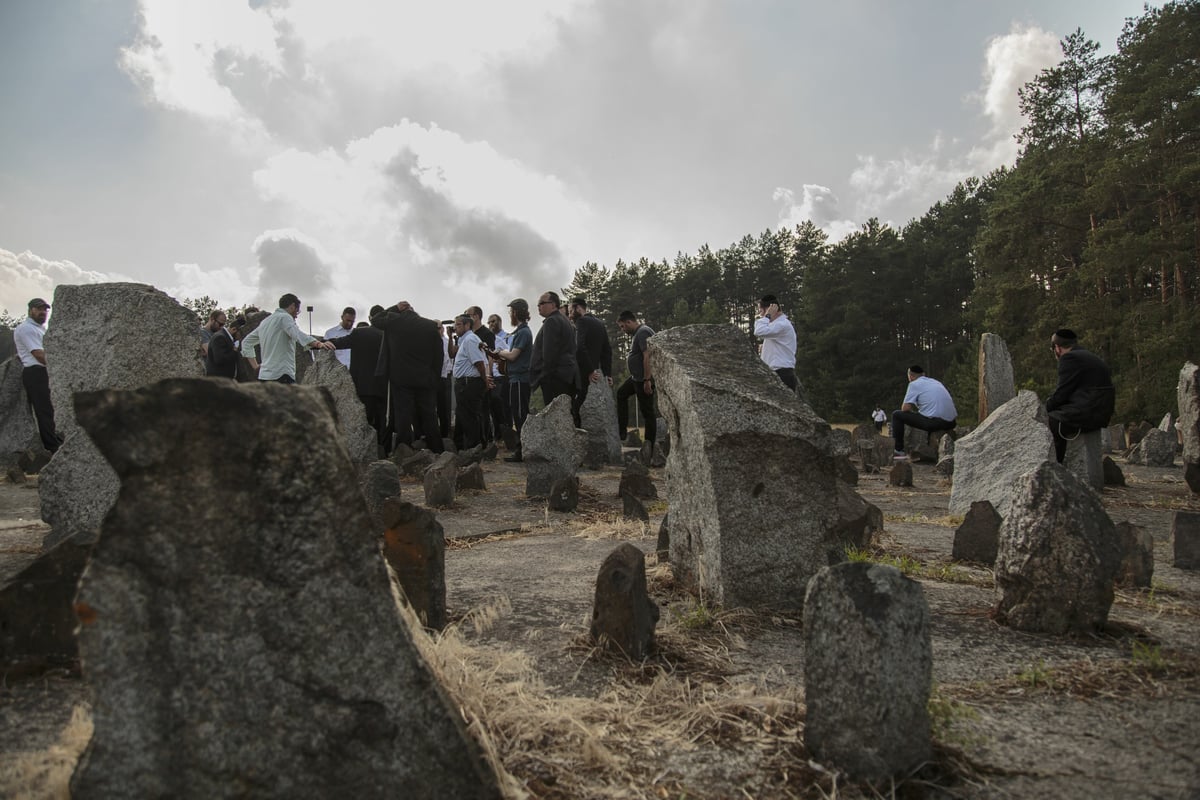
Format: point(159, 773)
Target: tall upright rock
point(256, 654)
point(754, 500)
point(996, 386)
point(355, 432)
point(1188, 395)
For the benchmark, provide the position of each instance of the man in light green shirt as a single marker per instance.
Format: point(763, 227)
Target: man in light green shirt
point(277, 337)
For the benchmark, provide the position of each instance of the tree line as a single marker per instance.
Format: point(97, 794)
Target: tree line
point(1094, 227)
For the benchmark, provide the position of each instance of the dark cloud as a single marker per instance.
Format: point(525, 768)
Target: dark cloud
point(290, 262)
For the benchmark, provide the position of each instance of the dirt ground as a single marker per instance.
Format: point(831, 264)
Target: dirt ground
point(718, 710)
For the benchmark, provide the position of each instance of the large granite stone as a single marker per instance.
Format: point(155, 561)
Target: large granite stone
point(18, 431)
point(1188, 394)
point(598, 414)
point(996, 386)
point(1137, 564)
point(868, 666)
point(1059, 554)
point(262, 656)
point(105, 336)
point(987, 462)
point(1085, 457)
point(754, 498)
point(356, 433)
point(552, 447)
point(1156, 449)
point(414, 545)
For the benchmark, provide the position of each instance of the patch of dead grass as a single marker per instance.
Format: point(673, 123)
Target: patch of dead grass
point(47, 773)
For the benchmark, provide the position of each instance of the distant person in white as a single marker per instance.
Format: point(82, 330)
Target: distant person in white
point(879, 416)
point(28, 339)
point(927, 406)
point(778, 340)
point(342, 329)
point(277, 336)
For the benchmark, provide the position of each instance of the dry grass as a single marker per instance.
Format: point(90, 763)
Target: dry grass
point(47, 773)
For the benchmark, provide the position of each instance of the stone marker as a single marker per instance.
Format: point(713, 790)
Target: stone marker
point(868, 667)
point(552, 447)
point(1156, 449)
point(415, 465)
point(441, 480)
point(840, 441)
point(490, 451)
point(1116, 438)
point(1013, 440)
point(380, 480)
point(414, 545)
point(664, 539)
point(901, 474)
point(1059, 554)
point(1185, 539)
point(623, 615)
point(978, 537)
point(37, 611)
point(401, 452)
point(858, 520)
point(1137, 564)
point(1085, 459)
point(636, 481)
point(473, 455)
point(1113, 476)
point(15, 474)
point(564, 495)
point(1167, 424)
point(266, 657)
point(1137, 431)
point(18, 432)
point(845, 470)
point(654, 455)
point(633, 509)
point(1188, 395)
point(754, 495)
point(356, 433)
point(996, 386)
point(470, 478)
point(598, 414)
point(104, 336)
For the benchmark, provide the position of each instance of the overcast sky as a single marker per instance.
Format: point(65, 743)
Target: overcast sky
point(460, 153)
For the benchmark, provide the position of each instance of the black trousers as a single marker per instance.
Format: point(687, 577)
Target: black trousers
point(469, 394)
point(445, 405)
point(36, 381)
point(1062, 433)
point(788, 376)
point(376, 408)
point(915, 420)
point(416, 407)
point(497, 405)
point(518, 404)
point(645, 403)
point(552, 388)
point(580, 396)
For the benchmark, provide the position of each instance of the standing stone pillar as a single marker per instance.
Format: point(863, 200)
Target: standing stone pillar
point(599, 418)
point(996, 386)
point(1188, 395)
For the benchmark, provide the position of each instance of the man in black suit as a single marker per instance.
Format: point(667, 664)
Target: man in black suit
point(554, 367)
point(223, 354)
point(593, 352)
point(365, 343)
point(411, 359)
point(1085, 396)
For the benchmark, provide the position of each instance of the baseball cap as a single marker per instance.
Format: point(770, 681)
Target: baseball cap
point(38, 302)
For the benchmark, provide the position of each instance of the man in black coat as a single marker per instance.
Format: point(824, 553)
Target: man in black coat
point(1085, 396)
point(593, 352)
point(223, 354)
point(365, 343)
point(554, 367)
point(411, 360)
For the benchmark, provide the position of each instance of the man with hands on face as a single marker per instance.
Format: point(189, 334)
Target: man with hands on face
point(411, 358)
point(778, 340)
point(278, 336)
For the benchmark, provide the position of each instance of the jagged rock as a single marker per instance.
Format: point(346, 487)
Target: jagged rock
point(868, 666)
point(360, 439)
point(1113, 476)
point(1185, 539)
point(978, 537)
point(945, 466)
point(18, 432)
point(635, 480)
point(1085, 459)
point(901, 474)
point(401, 453)
point(490, 452)
point(633, 508)
point(623, 615)
point(441, 480)
point(564, 495)
point(414, 545)
point(840, 441)
point(858, 520)
point(664, 538)
point(1188, 395)
point(76, 489)
point(1013, 440)
point(1137, 564)
point(380, 480)
point(1116, 438)
point(37, 611)
point(1156, 449)
point(1138, 431)
point(996, 386)
point(845, 470)
point(470, 478)
point(1059, 554)
point(552, 447)
point(598, 415)
point(250, 655)
point(1167, 424)
point(415, 465)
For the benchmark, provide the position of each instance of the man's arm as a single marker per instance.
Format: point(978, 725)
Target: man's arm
point(1069, 374)
point(40, 355)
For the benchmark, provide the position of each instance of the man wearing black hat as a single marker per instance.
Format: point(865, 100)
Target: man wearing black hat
point(411, 360)
point(28, 338)
point(221, 358)
point(1085, 396)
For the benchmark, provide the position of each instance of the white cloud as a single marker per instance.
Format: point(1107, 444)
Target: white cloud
point(26, 275)
point(819, 205)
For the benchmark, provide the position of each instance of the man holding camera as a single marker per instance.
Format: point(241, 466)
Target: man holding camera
point(277, 337)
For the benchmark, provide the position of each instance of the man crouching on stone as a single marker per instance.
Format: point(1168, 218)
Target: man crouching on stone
point(1085, 396)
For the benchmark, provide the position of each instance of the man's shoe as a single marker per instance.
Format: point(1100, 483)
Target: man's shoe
point(900, 455)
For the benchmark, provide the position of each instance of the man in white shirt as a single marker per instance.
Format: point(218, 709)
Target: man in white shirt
point(778, 340)
point(342, 329)
point(277, 336)
point(472, 381)
point(34, 377)
point(927, 406)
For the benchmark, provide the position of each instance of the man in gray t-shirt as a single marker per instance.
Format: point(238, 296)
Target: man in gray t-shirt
point(640, 382)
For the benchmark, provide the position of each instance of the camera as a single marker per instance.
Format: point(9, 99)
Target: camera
point(448, 322)
point(308, 309)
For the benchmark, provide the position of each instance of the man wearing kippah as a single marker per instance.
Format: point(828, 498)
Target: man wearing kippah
point(927, 406)
point(1085, 396)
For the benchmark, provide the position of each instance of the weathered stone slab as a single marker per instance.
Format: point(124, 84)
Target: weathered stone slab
point(623, 615)
point(868, 666)
point(105, 336)
point(552, 447)
point(470, 478)
point(1013, 440)
point(1059, 554)
point(636, 481)
point(1167, 424)
point(37, 611)
point(653, 454)
point(978, 537)
point(356, 433)
point(901, 474)
point(415, 465)
point(1116, 438)
point(265, 657)
point(441, 480)
point(1188, 395)
point(564, 495)
point(840, 441)
point(996, 385)
point(753, 501)
point(18, 432)
point(1137, 564)
point(633, 508)
point(1084, 457)
point(598, 414)
point(1137, 431)
point(1156, 449)
point(858, 520)
point(414, 545)
point(1185, 539)
point(380, 480)
point(664, 538)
